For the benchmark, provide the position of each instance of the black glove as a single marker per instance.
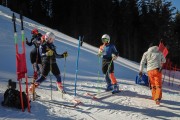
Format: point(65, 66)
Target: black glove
point(65, 54)
point(27, 41)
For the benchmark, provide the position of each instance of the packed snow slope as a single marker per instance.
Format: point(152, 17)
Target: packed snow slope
point(133, 103)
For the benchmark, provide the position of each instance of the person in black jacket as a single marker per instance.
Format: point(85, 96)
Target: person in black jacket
point(34, 54)
point(48, 57)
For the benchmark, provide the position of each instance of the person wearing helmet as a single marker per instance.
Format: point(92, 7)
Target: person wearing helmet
point(48, 57)
point(108, 53)
point(34, 54)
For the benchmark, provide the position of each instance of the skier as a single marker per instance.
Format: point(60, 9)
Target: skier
point(154, 59)
point(34, 54)
point(48, 56)
point(108, 53)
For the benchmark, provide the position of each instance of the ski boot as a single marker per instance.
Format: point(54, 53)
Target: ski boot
point(60, 87)
point(157, 102)
point(35, 76)
point(109, 87)
point(115, 88)
point(31, 87)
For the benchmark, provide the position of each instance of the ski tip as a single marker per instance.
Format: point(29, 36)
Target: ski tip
point(95, 98)
point(79, 103)
point(87, 94)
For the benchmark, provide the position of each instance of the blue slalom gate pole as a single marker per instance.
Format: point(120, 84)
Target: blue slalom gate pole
point(77, 63)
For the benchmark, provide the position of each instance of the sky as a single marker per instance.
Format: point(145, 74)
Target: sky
point(176, 3)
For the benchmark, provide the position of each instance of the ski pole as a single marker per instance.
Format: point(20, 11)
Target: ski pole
point(64, 71)
point(99, 59)
point(77, 61)
point(64, 74)
point(50, 75)
point(107, 72)
point(109, 66)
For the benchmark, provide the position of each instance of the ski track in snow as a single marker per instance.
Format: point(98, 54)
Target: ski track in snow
point(132, 103)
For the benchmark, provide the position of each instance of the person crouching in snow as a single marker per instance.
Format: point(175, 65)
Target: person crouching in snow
point(108, 53)
point(154, 60)
point(48, 57)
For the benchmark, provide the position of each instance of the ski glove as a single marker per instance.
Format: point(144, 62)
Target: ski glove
point(99, 54)
point(65, 54)
point(140, 74)
point(114, 57)
point(49, 53)
point(27, 41)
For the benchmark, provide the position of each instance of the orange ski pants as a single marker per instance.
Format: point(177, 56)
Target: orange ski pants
point(113, 78)
point(155, 78)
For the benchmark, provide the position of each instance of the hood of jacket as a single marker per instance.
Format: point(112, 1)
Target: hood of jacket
point(153, 49)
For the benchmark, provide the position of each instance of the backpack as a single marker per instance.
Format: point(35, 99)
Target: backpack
point(142, 80)
point(12, 99)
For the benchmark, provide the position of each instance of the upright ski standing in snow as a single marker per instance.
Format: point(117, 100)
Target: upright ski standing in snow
point(21, 68)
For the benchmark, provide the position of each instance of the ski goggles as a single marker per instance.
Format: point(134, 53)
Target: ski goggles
point(105, 40)
point(49, 40)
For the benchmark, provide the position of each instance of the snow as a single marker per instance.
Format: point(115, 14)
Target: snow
point(133, 103)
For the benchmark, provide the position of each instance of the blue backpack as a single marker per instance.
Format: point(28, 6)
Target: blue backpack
point(142, 80)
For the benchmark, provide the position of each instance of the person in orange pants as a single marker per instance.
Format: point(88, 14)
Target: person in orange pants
point(154, 59)
point(155, 78)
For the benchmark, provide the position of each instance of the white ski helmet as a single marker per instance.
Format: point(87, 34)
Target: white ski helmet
point(105, 38)
point(49, 37)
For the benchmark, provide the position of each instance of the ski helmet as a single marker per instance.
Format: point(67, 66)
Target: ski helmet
point(34, 31)
point(49, 37)
point(105, 38)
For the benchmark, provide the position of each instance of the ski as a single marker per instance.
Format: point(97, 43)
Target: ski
point(102, 95)
point(69, 101)
point(69, 98)
point(65, 104)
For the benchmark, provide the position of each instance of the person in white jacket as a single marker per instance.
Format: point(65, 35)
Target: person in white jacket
point(154, 60)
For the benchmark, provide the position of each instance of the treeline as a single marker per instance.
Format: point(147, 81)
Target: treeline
point(132, 24)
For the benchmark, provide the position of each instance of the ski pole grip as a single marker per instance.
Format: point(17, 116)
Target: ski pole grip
point(14, 20)
point(21, 17)
point(81, 41)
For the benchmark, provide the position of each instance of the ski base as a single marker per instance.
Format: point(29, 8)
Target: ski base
point(102, 94)
point(59, 103)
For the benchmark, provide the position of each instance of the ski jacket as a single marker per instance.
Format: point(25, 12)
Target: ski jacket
point(45, 47)
point(35, 40)
point(107, 51)
point(154, 59)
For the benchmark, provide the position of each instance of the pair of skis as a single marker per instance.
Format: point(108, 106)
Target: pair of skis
point(102, 95)
point(21, 69)
point(70, 101)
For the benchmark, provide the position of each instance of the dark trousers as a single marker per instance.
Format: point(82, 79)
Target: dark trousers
point(34, 56)
point(46, 69)
point(105, 65)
